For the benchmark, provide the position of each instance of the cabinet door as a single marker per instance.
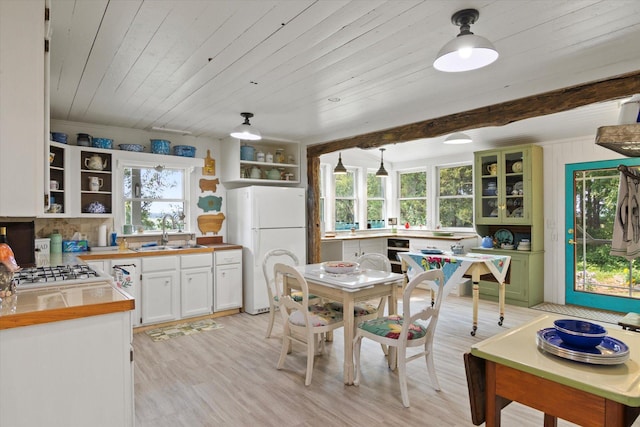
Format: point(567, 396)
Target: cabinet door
point(22, 112)
point(350, 250)
point(372, 246)
point(99, 266)
point(228, 287)
point(516, 186)
point(160, 297)
point(487, 169)
point(195, 291)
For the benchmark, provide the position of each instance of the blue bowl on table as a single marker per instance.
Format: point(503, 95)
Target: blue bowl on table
point(160, 146)
point(580, 333)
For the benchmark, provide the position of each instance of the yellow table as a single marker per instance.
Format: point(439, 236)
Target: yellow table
point(585, 394)
point(348, 289)
point(456, 266)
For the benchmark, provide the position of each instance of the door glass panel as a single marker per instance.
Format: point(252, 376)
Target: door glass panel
point(489, 178)
point(599, 279)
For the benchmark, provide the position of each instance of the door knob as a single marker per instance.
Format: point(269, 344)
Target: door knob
point(572, 242)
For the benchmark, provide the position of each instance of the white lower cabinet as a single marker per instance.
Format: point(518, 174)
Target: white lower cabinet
point(160, 300)
point(196, 290)
point(228, 280)
point(71, 373)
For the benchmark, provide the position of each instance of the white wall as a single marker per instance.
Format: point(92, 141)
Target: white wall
point(556, 155)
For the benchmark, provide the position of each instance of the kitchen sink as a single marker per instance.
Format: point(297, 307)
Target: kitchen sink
point(167, 248)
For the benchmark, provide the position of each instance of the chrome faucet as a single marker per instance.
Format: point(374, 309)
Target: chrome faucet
point(165, 237)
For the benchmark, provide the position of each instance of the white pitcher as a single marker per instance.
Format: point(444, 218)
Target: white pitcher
point(95, 183)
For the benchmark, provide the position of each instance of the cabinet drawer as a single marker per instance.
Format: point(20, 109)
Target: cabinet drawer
point(228, 257)
point(160, 263)
point(197, 260)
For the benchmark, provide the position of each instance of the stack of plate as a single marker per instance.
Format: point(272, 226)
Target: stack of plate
point(610, 352)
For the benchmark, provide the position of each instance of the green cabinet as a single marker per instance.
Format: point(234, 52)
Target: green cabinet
point(509, 202)
point(524, 284)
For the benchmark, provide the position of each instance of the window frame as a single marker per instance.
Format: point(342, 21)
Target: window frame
point(119, 214)
point(438, 197)
point(399, 174)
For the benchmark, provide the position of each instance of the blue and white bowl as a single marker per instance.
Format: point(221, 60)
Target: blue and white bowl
point(96, 208)
point(138, 148)
point(184, 150)
point(102, 143)
point(580, 333)
point(160, 146)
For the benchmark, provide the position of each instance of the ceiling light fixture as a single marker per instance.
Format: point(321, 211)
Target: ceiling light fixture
point(458, 138)
point(382, 171)
point(467, 51)
point(245, 131)
point(340, 169)
point(163, 129)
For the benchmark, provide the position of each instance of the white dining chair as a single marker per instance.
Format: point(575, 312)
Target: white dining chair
point(405, 331)
point(303, 322)
point(268, 261)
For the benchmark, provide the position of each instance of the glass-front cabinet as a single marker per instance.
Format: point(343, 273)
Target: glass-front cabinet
point(504, 185)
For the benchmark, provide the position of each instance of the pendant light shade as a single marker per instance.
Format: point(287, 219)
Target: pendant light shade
point(340, 169)
point(382, 171)
point(467, 51)
point(458, 138)
point(245, 130)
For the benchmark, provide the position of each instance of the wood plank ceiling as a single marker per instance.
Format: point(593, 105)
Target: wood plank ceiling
point(195, 65)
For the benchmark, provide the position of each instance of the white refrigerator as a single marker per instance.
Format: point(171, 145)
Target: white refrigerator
point(260, 219)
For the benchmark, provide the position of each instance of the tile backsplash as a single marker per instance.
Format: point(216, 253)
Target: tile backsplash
point(67, 227)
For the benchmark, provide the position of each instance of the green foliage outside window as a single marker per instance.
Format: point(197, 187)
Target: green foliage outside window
point(375, 201)
point(455, 201)
point(345, 201)
point(413, 198)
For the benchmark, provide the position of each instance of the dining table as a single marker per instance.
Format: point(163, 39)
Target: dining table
point(349, 288)
point(455, 267)
point(586, 387)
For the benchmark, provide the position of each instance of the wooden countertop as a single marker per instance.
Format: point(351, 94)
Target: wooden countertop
point(65, 302)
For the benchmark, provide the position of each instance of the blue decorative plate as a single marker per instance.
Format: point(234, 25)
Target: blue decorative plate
point(503, 236)
point(610, 352)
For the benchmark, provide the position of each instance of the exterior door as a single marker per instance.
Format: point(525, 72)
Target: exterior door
point(594, 278)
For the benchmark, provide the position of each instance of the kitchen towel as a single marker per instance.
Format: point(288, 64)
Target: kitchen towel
point(102, 235)
point(626, 228)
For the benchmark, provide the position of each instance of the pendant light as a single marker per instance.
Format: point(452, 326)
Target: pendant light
point(340, 169)
point(245, 131)
point(382, 171)
point(467, 51)
point(458, 138)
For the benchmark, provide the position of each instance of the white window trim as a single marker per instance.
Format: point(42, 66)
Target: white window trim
point(118, 193)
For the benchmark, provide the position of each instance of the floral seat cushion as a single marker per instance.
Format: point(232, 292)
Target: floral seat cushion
point(320, 316)
point(391, 326)
point(360, 309)
point(296, 296)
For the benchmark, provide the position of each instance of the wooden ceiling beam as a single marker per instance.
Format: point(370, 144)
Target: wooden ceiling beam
point(501, 114)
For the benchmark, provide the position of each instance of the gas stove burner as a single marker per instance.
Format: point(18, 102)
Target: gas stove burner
point(61, 273)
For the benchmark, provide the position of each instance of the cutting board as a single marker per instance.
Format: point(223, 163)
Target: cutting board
point(209, 167)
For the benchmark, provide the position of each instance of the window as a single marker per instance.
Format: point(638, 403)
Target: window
point(346, 201)
point(375, 201)
point(149, 193)
point(455, 197)
point(413, 198)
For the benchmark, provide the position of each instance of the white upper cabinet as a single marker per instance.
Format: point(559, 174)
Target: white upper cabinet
point(22, 102)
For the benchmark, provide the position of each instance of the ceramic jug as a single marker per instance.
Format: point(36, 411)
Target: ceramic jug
point(95, 163)
point(256, 173)
point(457, 249)
point(487, 242)
point(95, 183)
point(84, 140)
point(492, 168)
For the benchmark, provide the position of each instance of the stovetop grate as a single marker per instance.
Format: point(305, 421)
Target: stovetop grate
point(58, 273)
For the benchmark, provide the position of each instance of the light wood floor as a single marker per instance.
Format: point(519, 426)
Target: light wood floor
point(228, 377)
